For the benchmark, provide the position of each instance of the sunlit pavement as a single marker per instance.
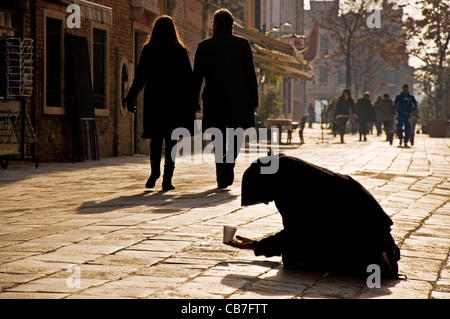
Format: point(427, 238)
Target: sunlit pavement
point(92, 230)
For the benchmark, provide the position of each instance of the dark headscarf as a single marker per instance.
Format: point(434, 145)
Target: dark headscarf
point(258, 187)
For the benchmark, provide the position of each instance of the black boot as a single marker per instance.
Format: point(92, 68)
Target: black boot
point(230, 173)
point(167, 178)
point(156, 173)
point(221, 178)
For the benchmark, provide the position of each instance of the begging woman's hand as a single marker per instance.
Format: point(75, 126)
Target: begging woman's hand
point(241, 243)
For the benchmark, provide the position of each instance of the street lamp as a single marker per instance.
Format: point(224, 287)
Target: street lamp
point(298, 41)
point(277, 29)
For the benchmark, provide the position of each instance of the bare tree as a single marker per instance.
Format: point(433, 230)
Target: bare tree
point(429, 38)
point(359, 47)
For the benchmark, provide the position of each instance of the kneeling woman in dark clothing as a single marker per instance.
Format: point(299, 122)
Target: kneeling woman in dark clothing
point(169, 102)
point(345, 228)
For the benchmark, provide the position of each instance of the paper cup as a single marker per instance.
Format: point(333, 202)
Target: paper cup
point(228, 233)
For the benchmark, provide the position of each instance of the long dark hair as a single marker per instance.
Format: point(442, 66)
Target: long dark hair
point(164, 32)
point(348, 92)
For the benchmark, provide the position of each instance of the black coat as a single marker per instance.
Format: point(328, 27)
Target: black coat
point(225, 62)
point(329, 219)
point(365, 111)
point(344, 106)
point(169, 100)
point(387, 110)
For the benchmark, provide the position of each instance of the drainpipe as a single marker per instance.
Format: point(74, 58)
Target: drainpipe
point(118, 104)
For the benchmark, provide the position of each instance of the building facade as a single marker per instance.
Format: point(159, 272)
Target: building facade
point(330, 79)
point(282, 18)
point(112, 34)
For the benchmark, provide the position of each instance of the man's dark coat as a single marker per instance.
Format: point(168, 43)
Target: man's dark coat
point(225, 62)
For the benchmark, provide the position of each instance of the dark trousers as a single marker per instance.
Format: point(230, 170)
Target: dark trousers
point(363, 128)
point(387, 125)
point(156, 146)
point(342, 124)
point(226, 154)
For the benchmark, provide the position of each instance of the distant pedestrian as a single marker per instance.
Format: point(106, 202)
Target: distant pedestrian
point(404, 104)
point(329, 113)
point(169, 103)
point(312, 115)
point(378, 121)
point(230, 96)
point(387, 114)
point(366, 114)
point(332, 234)
point(344, 106)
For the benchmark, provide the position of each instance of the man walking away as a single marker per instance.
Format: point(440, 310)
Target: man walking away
point(230, 95)
point(404, 104)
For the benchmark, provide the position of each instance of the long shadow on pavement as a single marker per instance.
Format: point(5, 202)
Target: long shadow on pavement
point(159, 201)
point(305, 283)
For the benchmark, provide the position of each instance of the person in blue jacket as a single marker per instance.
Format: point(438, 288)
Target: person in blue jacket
point(404, 105)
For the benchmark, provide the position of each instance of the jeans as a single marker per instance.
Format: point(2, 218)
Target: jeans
point(404, 127)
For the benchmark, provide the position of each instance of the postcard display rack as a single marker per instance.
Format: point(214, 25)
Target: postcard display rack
point(16, 83)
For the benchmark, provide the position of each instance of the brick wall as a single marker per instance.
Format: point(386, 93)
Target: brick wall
point(54, 131)
point(188, 17)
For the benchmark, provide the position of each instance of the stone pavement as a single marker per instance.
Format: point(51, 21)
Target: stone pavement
point(95, 222)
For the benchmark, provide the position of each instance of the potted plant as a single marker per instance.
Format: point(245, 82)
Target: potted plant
point(433, 125)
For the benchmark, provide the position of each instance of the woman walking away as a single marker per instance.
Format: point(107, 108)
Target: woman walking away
point(342, 112)
point(366, 114)
point(169, 103)
point(387, 115)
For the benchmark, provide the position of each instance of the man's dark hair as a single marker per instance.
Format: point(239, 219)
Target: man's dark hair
point(405, 86)
point(386, 95)
point(224, 21)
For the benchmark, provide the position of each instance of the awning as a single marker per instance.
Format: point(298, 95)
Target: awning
point(95, 12)
point(277, 56)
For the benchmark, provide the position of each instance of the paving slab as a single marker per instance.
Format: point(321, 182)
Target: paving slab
point(130, 242)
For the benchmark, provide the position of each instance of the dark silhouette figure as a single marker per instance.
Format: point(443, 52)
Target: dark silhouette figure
point(379, 120)
point(336, 233)
point(366, 115)
point(230, 95)
point(301, 129)
point(169, 103)
point(344, 105)
point(312, 115)
point(387, 115)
